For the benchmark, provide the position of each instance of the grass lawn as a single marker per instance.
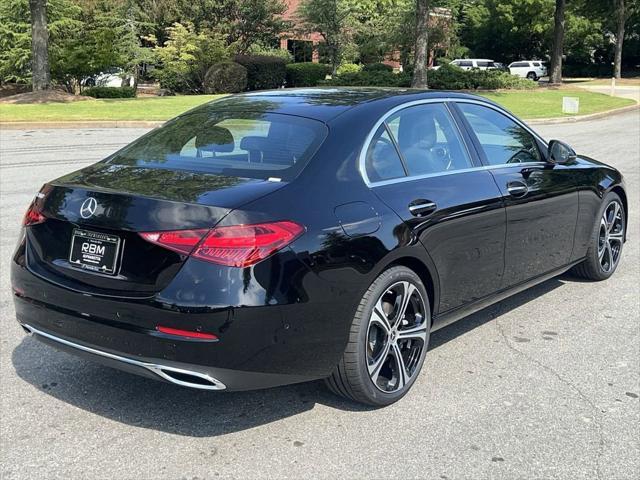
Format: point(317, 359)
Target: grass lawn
point(143, 108)
point(526, 104)
point(548, 103)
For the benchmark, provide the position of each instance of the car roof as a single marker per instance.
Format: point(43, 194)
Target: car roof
point(326, 103)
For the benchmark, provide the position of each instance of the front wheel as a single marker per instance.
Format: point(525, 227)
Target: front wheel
point(388, 340)
point(607, 241)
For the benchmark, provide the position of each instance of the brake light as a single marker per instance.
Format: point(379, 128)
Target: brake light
point(33, 216)
point(233, 246)
point(181, 241)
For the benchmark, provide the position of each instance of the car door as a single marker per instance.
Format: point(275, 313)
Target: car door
point(541, 198)
point(418, 163)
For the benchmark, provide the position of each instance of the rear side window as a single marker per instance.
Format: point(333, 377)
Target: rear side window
point(484, 64)
point(502, 140)
point(383, 161)
point(417, 140)
point(243, 144)
point(428, 139)
point(536, 64)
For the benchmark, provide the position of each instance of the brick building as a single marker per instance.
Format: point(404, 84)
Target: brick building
point(303, 47)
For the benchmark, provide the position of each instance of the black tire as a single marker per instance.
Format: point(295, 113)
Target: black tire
point(592, 267)
point(532, 76)
point(351, 378)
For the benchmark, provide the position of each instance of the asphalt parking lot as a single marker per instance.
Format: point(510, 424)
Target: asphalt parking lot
point(543, 385)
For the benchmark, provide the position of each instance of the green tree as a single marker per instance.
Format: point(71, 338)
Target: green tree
point(186, 56)
point(422, 48)
point(41, 70)
point(555, 75)
point(331, 19)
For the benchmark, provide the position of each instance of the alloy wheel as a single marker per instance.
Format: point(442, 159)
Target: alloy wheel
point(611, 236)
point(396, 337)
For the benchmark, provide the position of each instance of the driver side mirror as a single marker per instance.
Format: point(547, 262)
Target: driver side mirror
point(560, 152)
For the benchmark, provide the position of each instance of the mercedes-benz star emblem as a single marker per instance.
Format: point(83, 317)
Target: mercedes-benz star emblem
point(88, 207)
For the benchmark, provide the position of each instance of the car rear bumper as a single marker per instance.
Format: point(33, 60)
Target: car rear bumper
point(41, 323)
point(258, 346)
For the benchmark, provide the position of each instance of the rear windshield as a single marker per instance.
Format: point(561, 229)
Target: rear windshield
point(240, 144)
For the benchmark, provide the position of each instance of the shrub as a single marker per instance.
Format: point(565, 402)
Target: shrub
point(370, 79)
point(257, 49)
point(452, 77)
point(263, 71)
point(225, 77)
point(184, 59)
point(449, 77)
point(306, 74)
point(348, 68)
point(110, 92)
point(377, 67)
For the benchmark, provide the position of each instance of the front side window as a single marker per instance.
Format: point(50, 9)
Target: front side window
point(503, 140)
point(466, 63)
point(242, 144)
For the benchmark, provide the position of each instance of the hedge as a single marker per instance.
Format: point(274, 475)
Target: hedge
point(452, 77)
point(307, 74)
point(378, 78)
point(225, 77)
point(377, 67)
point(349, 68)
point(263, 72)
point(110, 92)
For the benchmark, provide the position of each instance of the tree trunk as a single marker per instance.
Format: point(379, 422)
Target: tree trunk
point(555, 75)
point(39, 45)
point(422, 37)
point(617, 59)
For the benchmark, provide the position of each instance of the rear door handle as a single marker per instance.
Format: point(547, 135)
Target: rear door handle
point(517, 189)
point(421, 207)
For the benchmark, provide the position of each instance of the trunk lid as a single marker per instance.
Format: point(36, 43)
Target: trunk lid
point(115, 203)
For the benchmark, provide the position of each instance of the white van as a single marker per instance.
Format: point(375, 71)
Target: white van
point(531, 69)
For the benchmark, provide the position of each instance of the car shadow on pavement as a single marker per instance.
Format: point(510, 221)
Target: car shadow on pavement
point(146, 403)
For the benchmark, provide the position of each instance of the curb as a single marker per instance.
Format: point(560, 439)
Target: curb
point(81, 124)
point(157, 123)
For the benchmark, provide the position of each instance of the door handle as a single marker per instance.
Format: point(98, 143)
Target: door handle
point(421, 207)
point(517, 189)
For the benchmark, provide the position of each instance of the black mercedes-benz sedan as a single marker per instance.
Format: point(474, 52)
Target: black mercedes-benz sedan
point(279, 237)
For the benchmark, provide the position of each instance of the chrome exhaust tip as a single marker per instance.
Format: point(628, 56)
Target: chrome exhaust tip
point(177, 376)
point(186, 378)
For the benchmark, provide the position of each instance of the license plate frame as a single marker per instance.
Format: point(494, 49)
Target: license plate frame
point(96, 252)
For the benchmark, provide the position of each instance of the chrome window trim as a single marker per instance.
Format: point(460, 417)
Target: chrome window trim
point(363, 152)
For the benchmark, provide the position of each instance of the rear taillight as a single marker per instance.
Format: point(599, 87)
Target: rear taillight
point(181, 241)
point(234, 246)
point(33, 216)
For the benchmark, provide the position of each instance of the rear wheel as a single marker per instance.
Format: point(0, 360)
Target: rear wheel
point(607, 241)
point(388, 340)
point(532, 76)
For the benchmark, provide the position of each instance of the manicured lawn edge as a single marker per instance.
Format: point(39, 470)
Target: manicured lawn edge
point(540, 104)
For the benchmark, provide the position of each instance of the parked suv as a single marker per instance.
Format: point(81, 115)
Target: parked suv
point(531, 69)
point(469, 63)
